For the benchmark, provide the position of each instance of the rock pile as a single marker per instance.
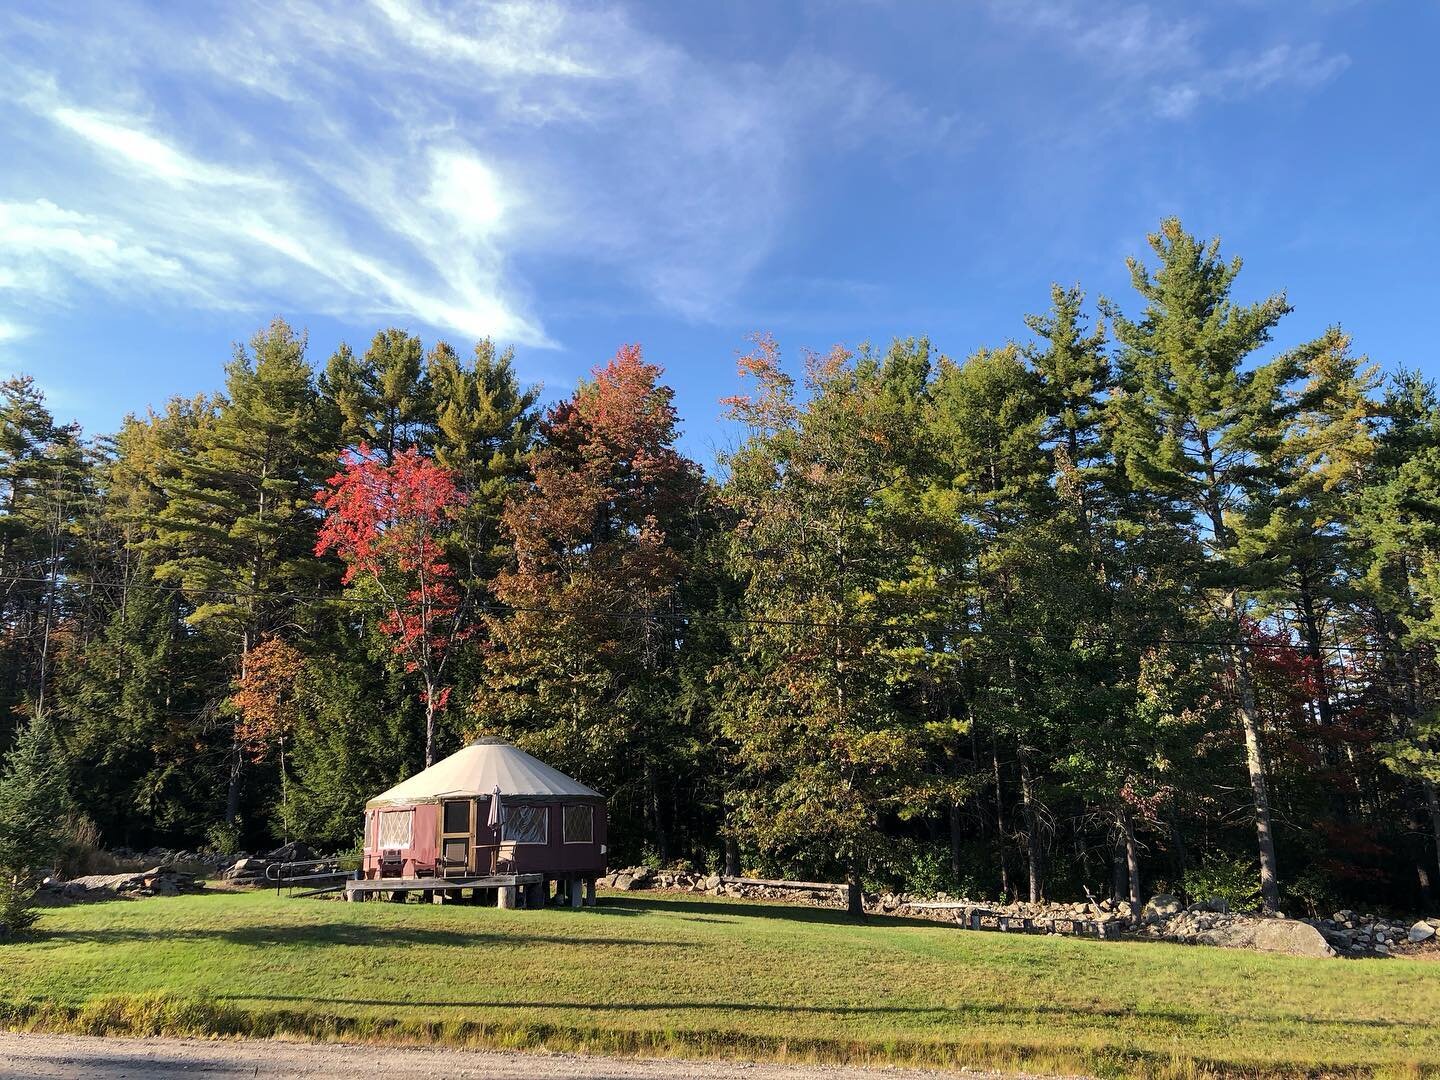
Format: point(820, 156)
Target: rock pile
point(643, 877)
point(214, 861)
point(164, 880)
point(1358, 935)
point(250, 869)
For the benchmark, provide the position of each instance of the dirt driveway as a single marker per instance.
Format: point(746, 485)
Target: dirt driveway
point(87, 1058)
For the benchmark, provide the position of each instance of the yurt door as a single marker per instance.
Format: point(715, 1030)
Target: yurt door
point(455, 837)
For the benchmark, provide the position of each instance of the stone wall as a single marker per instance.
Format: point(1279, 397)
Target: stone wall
point(1164, 918)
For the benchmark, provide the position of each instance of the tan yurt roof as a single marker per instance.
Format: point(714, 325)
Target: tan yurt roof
point(476, 770)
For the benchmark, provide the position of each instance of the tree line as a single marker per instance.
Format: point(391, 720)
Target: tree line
point(1145, 602)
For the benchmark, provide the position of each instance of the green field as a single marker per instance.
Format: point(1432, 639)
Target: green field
point(661, 974)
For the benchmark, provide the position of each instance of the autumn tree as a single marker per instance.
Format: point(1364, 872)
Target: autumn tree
point(581, 660)
point(387, 523)
point(268, 699)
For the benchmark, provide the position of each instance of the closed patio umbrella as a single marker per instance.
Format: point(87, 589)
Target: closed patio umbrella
point(497, 813)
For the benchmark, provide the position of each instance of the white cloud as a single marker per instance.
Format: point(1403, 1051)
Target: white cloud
point(1303, 67)
point(398, 159)
point(1137, 45)
point(145, 152)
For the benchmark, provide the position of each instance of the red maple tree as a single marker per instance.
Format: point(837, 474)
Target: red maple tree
point(386, 523)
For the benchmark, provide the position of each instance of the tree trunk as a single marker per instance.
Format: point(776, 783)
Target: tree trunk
point(232, 793)
point(1432, 803)
point(1239, 669)
point(1255, 765)
point(1000, 824)
point(732, 856)
point(957, 840)
point(1132, 857)
point(1032, 832)
point(429, 724)
point(854, 902)
point(657, 818)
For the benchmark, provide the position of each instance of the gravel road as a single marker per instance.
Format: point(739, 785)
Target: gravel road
point(85, 1057)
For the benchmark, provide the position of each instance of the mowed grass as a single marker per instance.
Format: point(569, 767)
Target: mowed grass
point(661, 974)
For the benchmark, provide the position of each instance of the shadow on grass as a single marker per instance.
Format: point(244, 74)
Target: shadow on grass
point(310, 934)
point(733, 910)
point(934, 1013)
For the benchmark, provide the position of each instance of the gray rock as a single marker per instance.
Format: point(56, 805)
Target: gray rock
point(1292, 937)
point(1421, 931)
point(1160, 908)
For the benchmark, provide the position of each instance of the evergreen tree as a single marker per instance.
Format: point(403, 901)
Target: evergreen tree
point(383, 398)
point(1198, 425)
point(484, 426)
point(237, 529)
point(34, 797)
point(43, 486)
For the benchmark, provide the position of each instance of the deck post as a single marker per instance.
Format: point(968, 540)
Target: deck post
point(506, 896)
point(577, 893)
point(590, 892)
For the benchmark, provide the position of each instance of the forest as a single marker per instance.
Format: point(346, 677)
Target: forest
point(1145, 602)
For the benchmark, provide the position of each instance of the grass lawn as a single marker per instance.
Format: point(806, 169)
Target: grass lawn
point(663, 974)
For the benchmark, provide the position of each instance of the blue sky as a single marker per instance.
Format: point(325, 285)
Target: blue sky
point(568, 177)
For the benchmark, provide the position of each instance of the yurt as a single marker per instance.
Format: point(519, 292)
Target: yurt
point(440, 823)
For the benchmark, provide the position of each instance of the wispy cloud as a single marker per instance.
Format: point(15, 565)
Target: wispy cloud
point(1164, 54)
point(399, 160)
point(1303, 67)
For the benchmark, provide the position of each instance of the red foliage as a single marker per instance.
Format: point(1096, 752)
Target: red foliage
point(386, 522)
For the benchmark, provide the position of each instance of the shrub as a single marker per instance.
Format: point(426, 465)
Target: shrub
point(34, 802)
point(224, 837)
point(1223, 877)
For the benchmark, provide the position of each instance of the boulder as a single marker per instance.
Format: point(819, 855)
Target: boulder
point(1292, 937)
point(1161, 907)
point(1421, 931)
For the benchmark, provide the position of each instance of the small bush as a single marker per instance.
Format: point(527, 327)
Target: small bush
point(81, 854)
point(224, 837)
point(1222, 877)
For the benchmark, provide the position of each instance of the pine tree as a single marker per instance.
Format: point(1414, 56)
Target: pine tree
point(34, 797)
point(383, 398)
point(484, 426)
point(1198, 425)
point(43, 487)
point(236, 532)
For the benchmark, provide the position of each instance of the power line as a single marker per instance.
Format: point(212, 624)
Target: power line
point(688, 617)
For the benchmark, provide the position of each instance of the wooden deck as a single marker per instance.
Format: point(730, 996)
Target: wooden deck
point(511, 890)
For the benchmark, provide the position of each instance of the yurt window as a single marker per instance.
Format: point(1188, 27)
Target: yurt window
point(397, 829)
point(579, 823)
point(527, 824)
